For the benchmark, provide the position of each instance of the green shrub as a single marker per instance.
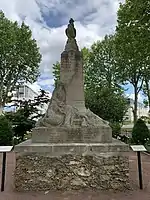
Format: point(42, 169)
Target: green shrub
point(116, 129)
point(140, 133)
point(6, 133)
point(147, 146)
point(116, 132)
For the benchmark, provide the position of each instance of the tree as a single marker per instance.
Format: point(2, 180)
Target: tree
point(6, 132)
point(100, 68)
point(146, 91)
point(24, 119)
point(19, 57)
point(107, 104)
point(133, 44)
point(56, 72)
point(104, 95)
point(140, 133)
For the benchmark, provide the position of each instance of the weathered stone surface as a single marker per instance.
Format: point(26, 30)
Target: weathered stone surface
point(64, 112)
point(64, 134)
point(104, 149)
point(71, 74)
point(38, 172)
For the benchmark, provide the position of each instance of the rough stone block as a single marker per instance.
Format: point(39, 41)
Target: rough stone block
point(69, 166)
point(40, 172)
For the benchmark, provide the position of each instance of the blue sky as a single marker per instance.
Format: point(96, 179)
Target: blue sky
point(48, 20)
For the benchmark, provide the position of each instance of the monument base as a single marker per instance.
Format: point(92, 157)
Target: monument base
point(102, 134)
point(71, 166)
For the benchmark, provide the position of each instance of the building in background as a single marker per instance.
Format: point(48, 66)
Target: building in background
point(141, 111)
point(25, 92)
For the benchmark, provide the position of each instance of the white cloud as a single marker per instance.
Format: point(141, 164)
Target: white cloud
point(28, 9)
point(93, 18)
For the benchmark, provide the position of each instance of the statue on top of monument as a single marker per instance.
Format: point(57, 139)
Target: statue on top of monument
point(71, 31)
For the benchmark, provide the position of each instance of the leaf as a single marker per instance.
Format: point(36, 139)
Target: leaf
point(19, 56)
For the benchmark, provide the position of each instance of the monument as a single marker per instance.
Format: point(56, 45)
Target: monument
point(71, 147)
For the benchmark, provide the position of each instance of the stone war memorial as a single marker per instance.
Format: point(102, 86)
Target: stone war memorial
point(71, 148)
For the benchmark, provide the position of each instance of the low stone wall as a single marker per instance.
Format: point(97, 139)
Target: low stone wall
point(42, 172)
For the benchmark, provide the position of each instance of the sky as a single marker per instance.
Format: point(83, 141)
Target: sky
point(48, 20)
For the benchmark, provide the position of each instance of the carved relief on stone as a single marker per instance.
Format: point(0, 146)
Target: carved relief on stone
point(60, 114)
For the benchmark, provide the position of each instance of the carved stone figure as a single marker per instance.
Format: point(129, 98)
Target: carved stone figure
point(71, 31)
point(61, 114)
point(71, 34)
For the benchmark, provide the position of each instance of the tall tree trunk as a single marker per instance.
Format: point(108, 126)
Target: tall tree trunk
point(1, 109)
point(148, 93)
point(1, 103)
point(149, 106)
point(135, 103)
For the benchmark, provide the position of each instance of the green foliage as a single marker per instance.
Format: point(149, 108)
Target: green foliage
point(21, 123)
point(6, 132)
point(19, 56)
point(146, 90)
point(103, 93)
point(140, 133)
point(116, 133)
point(24, 119)
point(107, 104)
point(56, 72)
point(133, 27)
point(132, 44)
point(100, 67)
point(146, 119)
point(116, 129)
point(145, 102)
point(147, 146)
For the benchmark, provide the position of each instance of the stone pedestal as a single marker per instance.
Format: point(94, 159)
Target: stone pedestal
point(71, 166)
point(64, 134)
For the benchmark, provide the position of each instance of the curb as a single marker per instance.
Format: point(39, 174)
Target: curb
point(146, 153)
